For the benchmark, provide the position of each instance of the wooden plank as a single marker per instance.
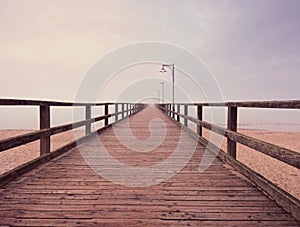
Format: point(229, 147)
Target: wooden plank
point(148, 222)
point(136, 213)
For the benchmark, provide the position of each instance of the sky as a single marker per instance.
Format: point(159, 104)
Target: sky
point(251, 47)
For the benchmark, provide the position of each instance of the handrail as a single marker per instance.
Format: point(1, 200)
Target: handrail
point(23, 102)
point(283, 154)
point(285, 104)
point(46, 131)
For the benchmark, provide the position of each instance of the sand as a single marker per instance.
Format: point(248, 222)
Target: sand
point(17, 156)
point(285, 176)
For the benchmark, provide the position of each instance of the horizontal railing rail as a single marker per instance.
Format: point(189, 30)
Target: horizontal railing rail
point(22, 102)
point(285, 104)
point(46, 131)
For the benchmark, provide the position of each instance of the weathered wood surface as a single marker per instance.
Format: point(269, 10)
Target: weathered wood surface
point(288, 104)
point(44, 124)
point(67, 192)
point(24, 102)
point(232, 126)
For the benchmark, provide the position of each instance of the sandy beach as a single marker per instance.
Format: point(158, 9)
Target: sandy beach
point(287, 177)
point(284, 175)
point(17, 156)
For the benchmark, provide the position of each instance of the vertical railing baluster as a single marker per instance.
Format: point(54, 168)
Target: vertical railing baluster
point(116, 112)
point(123, 109)
point(44, 124)
point(199, 116)
point(232, 125)
point(186, 114)
point(106, 113)
point(87, 117)
point(178, 111)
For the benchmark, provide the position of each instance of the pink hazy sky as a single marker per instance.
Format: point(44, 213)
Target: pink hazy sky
point(252, 47)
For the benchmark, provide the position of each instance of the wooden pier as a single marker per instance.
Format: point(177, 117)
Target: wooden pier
point(61, 189)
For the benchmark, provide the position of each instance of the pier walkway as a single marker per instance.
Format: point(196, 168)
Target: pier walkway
point(66, 191)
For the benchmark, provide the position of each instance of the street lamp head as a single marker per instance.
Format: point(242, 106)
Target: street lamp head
point(162, 70)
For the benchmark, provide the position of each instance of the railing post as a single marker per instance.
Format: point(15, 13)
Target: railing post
point(167, 109)
point(178, 111)
point(186, 113)
point(116, 111)
point(87, 117)
point(44, 124)
point(128, 110)
point(106, 113)
point(232, 125)
point(123, 109)
point(199, 115)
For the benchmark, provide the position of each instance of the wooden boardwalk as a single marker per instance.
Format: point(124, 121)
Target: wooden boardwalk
point(67, 192)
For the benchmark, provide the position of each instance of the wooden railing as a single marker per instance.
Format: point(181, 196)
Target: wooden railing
point(46, 131)
point(285, 155)
point(120, 111)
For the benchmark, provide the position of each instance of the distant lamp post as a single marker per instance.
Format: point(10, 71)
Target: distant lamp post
point(163, 70)
point(162, 92)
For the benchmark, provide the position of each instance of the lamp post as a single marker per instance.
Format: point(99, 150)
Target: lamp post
point(163, 70)
point(163, 92)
